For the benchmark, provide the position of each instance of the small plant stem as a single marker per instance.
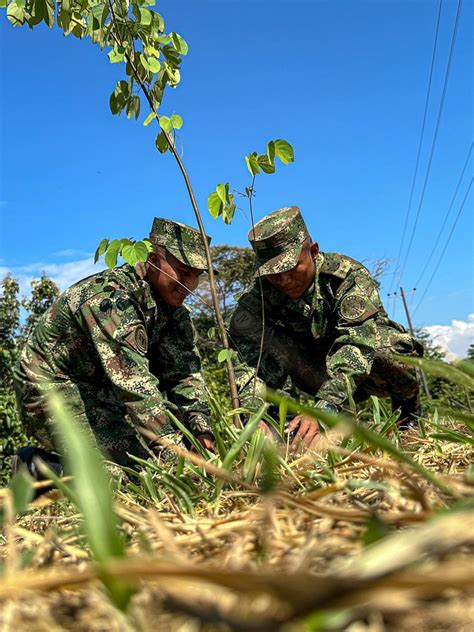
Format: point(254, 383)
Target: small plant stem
point(262, 300)
point(212, 284)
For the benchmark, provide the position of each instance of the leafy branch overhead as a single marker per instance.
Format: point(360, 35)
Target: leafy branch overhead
point(220, 202)
point(136, 36)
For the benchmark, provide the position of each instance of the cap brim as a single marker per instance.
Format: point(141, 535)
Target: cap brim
point(281, 263)
point(194, 261)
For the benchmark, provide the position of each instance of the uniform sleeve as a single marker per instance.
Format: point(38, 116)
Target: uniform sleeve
point(179, 367)
point(117, 332)
point(351, 355)
point(245, 336)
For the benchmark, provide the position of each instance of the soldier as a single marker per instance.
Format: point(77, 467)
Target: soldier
point(119, 347)
point(324, 327)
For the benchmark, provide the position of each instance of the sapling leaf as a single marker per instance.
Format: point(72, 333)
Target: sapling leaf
point(215, 205)
point(271, 151)
point(154, 65)
point(145, 16)
point(112, 252)
point(161, 143)
point(115, 57)
point(101, 248)
point(165, 124)
point(221, 192)
point(252, 164)
point(224, 355)
point(265, 164)
point(284, 151)
point(176, 121)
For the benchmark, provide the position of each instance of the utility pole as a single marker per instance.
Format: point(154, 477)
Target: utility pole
point(412, 331)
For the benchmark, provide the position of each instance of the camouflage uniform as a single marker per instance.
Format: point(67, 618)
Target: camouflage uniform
point(119, 356)
point(334, 342)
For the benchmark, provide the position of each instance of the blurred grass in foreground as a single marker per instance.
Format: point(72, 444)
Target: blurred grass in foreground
point(255, 537)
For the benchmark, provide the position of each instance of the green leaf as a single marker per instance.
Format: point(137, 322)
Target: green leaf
point(133, 107)
point(149, 119)
point(252, 164)
point(284, 151)
point(265, 164)
point(224, 354)
point(228, 211)
point(145, 16)
point(129, 254)
point(179, 43)
point(113, 104)
point(49, 13)
point(101, 248)
point(21, 487)
point(142, 249)
point(154, 65)
point(115, 57)
point(161, 143)
point(271, 151)
point(144, 62)
point(111, 254)
point(16, 13)
point(176, 121)
point(215, 205)
point(222, 193)
point(94, 494)
point(165, 124)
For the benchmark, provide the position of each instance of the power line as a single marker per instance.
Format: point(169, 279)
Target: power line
point(445, 247)
point(440, 111)
point(420, 143)
point(445, 217)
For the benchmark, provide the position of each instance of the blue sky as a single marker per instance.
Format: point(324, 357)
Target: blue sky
point(345, 82)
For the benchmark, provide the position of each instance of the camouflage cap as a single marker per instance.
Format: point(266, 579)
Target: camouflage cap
point(277, 240)
point(181, 240)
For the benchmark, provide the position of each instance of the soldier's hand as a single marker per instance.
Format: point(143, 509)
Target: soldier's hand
point(306, 430)
point(207, 441)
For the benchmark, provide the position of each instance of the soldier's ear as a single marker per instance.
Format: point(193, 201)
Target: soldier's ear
point(314, 249)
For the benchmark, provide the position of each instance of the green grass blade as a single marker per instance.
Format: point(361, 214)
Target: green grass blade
point(440, 369)
point(94, 497)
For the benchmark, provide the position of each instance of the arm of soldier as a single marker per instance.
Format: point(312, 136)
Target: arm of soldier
point(351, 355)
point(120, 339)
point(179, 367)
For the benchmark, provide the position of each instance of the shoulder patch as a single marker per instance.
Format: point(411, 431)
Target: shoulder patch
point(352, 307)
point(141, 339)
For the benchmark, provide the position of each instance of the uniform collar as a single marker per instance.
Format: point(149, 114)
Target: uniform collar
point(146, 297)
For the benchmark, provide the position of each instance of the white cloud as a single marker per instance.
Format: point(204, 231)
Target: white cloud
point(454, 338)
point(72, 252)
point(63, 274)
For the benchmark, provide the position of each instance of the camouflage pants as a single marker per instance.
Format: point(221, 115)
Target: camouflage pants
point(305, 365)
point(94, 408)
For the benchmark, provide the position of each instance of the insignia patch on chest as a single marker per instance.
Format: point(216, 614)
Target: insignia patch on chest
point(352, 307)
point(141, 340)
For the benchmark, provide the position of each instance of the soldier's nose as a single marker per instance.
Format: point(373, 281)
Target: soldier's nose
point(283, 279)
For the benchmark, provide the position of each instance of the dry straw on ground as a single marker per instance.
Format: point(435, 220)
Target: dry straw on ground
point(288, 560)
